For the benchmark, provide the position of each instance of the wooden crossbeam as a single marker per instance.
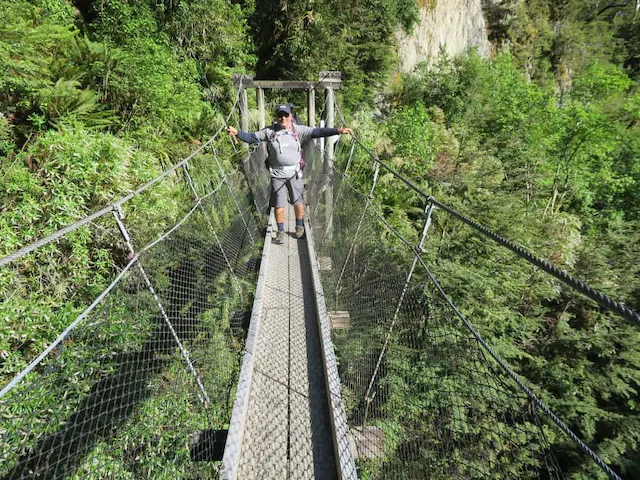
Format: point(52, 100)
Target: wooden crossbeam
point(326, 81)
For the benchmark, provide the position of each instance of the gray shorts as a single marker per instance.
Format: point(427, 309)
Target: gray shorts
point(280, 187)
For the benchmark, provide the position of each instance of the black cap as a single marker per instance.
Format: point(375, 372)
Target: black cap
point(284, 108)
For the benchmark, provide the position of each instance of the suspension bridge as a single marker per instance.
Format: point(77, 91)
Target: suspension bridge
point(213, 353)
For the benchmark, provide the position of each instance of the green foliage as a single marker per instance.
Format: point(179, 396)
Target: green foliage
point(411, 131)
point(600, 82)
point(214, 34)
point(354, 37)
point(149, 87)
point(66, 102)
point(553, 173)
point(86, 118)
point(552, 41)
point(29, 43)
point(541, 144)
point(84, 170)
point(121, 21)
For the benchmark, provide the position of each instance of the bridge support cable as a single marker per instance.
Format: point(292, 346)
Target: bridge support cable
point(18, 254)
point(549, 458)
point(426, 360)
point(117, 213)
point(406, 432)
point(225, 178)
point(213, 231)
point(68, 331)
point(372, 295)
point(367, 397)
point(538, 403)
point(355, 237)
point(533, 398)
point(113, 397)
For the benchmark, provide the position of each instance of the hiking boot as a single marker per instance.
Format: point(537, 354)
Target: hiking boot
point(299, 231)
point(279, 238)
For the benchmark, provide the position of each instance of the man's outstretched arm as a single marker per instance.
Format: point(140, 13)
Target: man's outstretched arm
point(329, 132)
point(246, 137)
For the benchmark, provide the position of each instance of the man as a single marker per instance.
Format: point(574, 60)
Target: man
point(285, 141)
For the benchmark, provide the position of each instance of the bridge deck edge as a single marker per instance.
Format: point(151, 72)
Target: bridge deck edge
point(346, 465)
point(232, 450)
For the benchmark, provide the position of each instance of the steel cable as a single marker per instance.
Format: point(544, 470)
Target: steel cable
point(97, 301)
point(558, 422)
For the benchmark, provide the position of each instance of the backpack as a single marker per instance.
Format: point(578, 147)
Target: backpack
point(294, 133)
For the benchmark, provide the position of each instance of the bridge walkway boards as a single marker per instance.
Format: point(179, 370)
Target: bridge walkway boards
point(287, 427)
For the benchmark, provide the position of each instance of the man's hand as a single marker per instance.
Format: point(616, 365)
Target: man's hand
point(343, 131)
point(234, 133)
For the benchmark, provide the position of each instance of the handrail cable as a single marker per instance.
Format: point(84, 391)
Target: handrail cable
point(514, 376)
point(100, 297)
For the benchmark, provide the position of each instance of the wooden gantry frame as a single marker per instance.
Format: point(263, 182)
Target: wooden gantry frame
point(329, 81)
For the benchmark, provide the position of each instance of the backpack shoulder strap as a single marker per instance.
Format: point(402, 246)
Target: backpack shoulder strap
point(272, 133)
point(294, 133)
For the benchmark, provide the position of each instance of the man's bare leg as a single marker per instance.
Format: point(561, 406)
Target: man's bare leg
point(299, 209)
point(279, 215)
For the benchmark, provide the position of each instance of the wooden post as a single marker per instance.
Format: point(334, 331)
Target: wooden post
point(244, 110)
point(329, 123)
point(261, 119)
point(328, 163)
point(311, 107)
point(260, 100)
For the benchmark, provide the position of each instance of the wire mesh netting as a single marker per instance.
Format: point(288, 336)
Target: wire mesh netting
point(423, 400)
point(141, 384)
point(257, 175)
point(425, 395)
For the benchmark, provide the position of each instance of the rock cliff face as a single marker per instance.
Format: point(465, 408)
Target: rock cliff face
point(454, 25)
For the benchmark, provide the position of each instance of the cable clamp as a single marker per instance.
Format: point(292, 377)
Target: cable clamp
point(117, 208)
